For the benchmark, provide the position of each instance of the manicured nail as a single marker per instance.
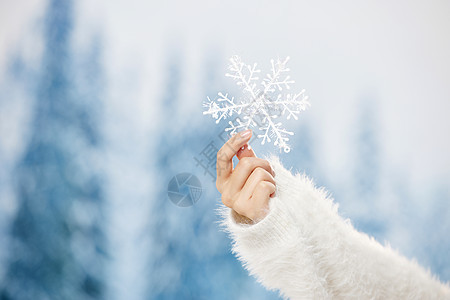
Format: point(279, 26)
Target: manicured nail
point(245, 133)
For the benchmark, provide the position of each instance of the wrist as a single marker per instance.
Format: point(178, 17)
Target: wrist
point(240, 219)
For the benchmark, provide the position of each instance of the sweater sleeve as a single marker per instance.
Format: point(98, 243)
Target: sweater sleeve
point(305, 250)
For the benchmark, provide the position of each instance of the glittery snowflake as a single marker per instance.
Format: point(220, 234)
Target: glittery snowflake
point(263, 105)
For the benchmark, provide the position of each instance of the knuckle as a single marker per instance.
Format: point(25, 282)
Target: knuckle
point(228, 145)
point(246, 162)
point(260, 172)
point(265, 185)
point(262, 184)
point(219, 153)
point(266, 165)
point(219, 170)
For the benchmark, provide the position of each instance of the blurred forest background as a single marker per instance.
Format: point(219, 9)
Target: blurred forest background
point(101, 105)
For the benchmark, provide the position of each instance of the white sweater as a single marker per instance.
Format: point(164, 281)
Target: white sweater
point(305, 250)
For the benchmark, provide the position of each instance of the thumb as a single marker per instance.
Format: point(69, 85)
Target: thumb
point(245, 151)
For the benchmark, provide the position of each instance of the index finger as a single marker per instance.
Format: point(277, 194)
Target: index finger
point(225, 155)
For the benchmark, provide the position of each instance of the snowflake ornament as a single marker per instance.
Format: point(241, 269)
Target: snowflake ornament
point(261, 105)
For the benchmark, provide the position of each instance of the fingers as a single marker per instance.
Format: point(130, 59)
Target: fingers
point(241, 174)
point(248, 188)
point(226, 153)
point(246, 166)
point(257, 206)
point(260, 199)
point(258, 175)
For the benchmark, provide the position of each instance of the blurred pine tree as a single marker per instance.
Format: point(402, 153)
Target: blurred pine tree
point(56, 248)
point(367, 171)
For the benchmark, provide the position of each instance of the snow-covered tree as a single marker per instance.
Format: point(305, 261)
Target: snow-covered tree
point(367, 168)
point(56, 246)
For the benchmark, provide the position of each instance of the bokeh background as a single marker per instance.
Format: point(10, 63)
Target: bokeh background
point(101, 105)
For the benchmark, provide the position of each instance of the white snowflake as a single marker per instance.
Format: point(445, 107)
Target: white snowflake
point(261, 106)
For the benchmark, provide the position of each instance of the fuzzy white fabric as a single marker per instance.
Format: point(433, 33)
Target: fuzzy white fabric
point(305, 250)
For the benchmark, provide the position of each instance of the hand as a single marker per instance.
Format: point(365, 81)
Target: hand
point(248, 187)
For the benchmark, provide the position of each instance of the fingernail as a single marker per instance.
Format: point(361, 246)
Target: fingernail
point(245, 133)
